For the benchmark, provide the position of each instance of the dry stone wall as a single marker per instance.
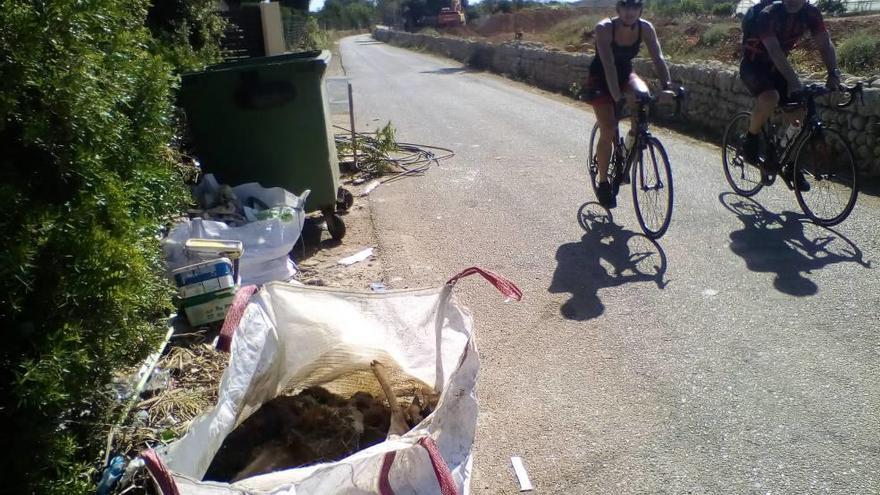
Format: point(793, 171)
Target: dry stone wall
point(716, 93)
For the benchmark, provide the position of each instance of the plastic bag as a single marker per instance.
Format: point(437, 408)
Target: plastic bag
point(266, 243)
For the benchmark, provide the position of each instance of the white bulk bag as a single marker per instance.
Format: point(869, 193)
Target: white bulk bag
point(292, 337)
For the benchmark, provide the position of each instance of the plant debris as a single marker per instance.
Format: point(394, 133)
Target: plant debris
point(314, 426)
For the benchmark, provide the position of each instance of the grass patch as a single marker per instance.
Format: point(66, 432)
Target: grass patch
point(429, 31)
point(714, 35)
point(572, 31)
point(860, 53)
point(723, 9)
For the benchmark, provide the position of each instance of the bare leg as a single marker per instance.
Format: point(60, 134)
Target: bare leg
point(607, 130)
point(764, 105)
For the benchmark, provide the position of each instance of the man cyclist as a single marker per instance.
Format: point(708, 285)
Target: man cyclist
point(611, 75)
point(768, 38)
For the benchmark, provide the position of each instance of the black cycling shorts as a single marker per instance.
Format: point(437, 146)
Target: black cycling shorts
point(760, 77)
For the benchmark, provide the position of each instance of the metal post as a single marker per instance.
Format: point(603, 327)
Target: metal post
point(354, 149)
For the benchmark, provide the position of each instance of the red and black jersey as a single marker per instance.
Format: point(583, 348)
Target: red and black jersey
point(788, 28)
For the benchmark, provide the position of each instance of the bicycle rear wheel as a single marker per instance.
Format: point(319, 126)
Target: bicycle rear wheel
point(745, 179)
point(652, 188)
point(827, 163)
point(592, 161)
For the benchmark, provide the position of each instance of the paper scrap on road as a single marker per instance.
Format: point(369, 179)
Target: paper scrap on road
point(525, 484)
point(359, 256)
point(369, 188)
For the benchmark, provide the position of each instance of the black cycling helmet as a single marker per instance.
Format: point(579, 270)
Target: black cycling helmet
point(630, 3)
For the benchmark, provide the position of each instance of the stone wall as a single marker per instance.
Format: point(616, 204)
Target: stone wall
point(716, 93)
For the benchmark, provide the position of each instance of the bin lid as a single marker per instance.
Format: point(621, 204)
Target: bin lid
point(305, 61)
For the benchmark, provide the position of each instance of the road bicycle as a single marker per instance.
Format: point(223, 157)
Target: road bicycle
point(644, 164)
point(822, 155)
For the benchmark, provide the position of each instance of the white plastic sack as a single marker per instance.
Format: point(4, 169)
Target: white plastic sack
point(292, 337)
point(266, 243)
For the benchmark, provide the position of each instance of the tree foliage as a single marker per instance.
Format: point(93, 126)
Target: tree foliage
point(86, 179)
point(348, 14)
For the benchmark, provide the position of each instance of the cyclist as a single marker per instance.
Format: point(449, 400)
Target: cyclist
point(769, 34)
point(611, 75)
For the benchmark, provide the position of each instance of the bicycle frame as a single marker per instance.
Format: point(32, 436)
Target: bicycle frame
point(642, 135)
point(812, 123)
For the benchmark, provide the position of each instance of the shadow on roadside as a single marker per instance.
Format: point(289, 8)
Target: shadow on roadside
point(787, 244)
point(606, 256)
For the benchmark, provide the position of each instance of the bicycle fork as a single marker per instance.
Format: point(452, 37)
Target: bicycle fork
point(638, 151)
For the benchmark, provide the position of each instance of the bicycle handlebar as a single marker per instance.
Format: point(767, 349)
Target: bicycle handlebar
point(647, 99)
point(815, 90)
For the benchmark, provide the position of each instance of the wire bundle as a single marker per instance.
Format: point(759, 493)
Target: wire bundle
point(411, 159)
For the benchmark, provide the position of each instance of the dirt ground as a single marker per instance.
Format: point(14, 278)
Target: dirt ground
point(318, 262)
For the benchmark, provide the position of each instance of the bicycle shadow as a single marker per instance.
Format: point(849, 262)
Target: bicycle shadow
point(606, 256)
point(787, 244)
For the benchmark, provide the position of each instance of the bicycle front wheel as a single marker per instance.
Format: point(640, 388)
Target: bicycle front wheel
point(827, 163)
point(652, 188)
point(745, 179)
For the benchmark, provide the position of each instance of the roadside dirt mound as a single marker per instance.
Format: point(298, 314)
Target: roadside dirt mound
point(527, 21)
point(840, 26)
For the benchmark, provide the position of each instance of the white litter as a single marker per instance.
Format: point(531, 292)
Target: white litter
point(525, 484)
point(359, 256)
point(369, 188)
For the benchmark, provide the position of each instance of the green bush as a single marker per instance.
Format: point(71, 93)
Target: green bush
point(304, 33)
point(860, 52)
point(86, 180)
point(692, 7)
point(187, 32)
point(723, 9)
point(714, 35)
point(347, 14)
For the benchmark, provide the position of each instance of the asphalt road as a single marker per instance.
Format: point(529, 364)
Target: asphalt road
point(740, 354)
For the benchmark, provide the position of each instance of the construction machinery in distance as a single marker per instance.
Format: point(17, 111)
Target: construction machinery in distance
point(451, 16)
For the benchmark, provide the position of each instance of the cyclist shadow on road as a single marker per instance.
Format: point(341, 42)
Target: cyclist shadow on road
point(787, 244)
point(607, 256)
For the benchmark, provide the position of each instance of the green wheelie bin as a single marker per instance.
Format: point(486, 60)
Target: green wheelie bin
point(266, 120)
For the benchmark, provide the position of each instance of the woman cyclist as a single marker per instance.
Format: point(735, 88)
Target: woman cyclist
point(611, 76)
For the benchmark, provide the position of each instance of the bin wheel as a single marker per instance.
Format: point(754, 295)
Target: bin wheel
point(344, 199)
point(335, 226)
